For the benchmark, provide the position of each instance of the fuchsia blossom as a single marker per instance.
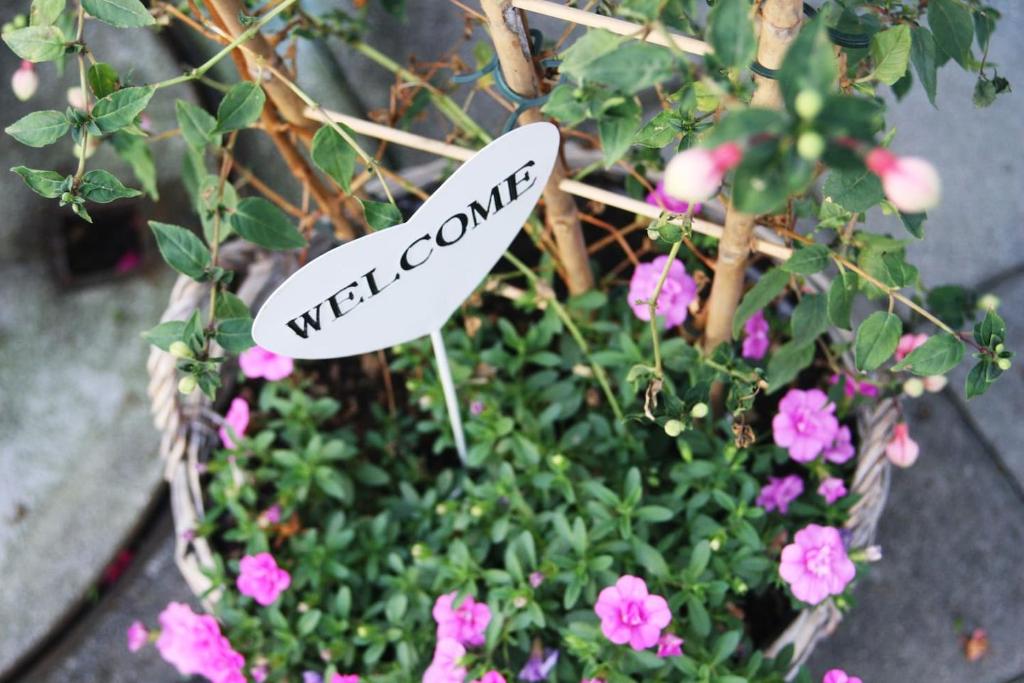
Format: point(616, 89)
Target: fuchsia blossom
point(908, 343)
point(696, 174)
point(446, 667)
point(832, 489)
point(629, 614)
point(194, 645)
point(841, 449)
point(25, 82)
point(852, 387)
point(805, 424)
point(258, 362)
point(779, 492)
point(666, 202)
point(347, 678)
point(815, 565)
point(235, 422)
point(491, 677)
point(839, 676)
point(902, 451)
point(138, 636)
point(670, 645)
point(261, 579)
point(910, 183)
point(676, 294)
point(465, 624)
point(755, 339)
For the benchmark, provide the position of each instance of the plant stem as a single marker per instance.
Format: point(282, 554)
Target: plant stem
point(80, 31)
point(652, 307)
point(225, 169)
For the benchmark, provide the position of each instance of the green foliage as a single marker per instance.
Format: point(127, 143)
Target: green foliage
point(334, 156)
point(876, 340)
point(196, 124)
point(182, 250)
point(102, 187)
point(36, 43)
point(40, 128)
point(381, 215)
point(259, 221)
point(760, 295)
point(890, 50)
point(120, 13)
point(49, 184)
point(241, 106)
point(731, 33)
point(953, 27)
point(118, 109)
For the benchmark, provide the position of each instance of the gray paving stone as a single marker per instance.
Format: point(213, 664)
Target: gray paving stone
point(953, 540)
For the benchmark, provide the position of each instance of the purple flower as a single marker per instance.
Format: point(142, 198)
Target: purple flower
point(676, 294)
point(476, 407)
point(312, 677)
point(841, 449)
point(755, 340)
point(779, 492)
point(539, 665)
point(832, 489)
point(665, 202)
point(805, 424)
point(536, 579)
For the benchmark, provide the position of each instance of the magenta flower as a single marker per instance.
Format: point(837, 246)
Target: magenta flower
point(695, 175)
point(272, 514)
point(261, 579)
point(344, 678)
point(805, 424)
point(446, 666)
point(676, 295)
point(779, 492)
point(235, 422)
point(841, 448)
point(908, 343)
point(832, 489)
point(129, 261)
point(755, 340)
point(910, 183)
point(194, 645)
point(902, 451)
point(852, 387)
point(476, 408)
point(465, 624)
point(670, 645)
point(629, 614)
point(258, 362)
point(815, 565)
point(839, 676)
point(661, 199)
point(138, 636)
point(491, 677)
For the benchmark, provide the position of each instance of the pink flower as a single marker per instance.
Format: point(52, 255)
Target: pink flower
point(832, 489)
point(779, 492)
point(696, 174)
point(902, 451)
point(815, 565)
point(676, 294)
point(755, 340)
point(465, 624)
point(76, 98)
point(138, 636)
point(839, 676)
point(490, 677)
point(670, 645)
point(908, 343)
point(445, 667)
point(910, 183)
point(259, 673)
point(805, 424)
point(629, 614)
point(261, 579)
point(235, 422)
point(25, 82)
point(129, 261)
point(536, 579)
point(258, 362)
point(841, 448)
point(663, 201)
point(193, 644)
point(852, 387)
point(272, 514)
point(348, 678)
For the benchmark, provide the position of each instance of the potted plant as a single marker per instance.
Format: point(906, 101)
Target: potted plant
point(679, 440)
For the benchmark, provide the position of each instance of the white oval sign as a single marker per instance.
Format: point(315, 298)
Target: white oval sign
point(404, 282)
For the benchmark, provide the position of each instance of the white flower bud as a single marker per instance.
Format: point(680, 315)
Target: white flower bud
point(699, 411)
point(187, 384)
point(810, 145)
point(76, 98)
point(808, 104)
point(674, 428)
point(910, 183)
point(180, 349)
point(696, 174)
point(933, 384)
point(989, 302)
point(913, 387)
point(25, 82)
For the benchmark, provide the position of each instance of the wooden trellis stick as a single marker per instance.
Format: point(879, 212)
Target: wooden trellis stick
point(516, 64)
point(779, 24)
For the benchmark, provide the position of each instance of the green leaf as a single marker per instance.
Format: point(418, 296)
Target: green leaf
point(807, 260)
point(229, 305)
point(854, 189)
point(697, 616)
point(876, 340)
point(890, 50)
point(745, 122)
point(45, 12)
point(103, 79)
point(617, 126)
point(396, 607)
point(922, 56)
point(563, 105)
point(235, 334)
point(139, 156)
point(731, 32)
point(242, 105)
point(309, 621)
point(197, 125)
point(626, 66)
point(699, 559)
point(659, 131)
point(102, 187)
point(334, 156)
point(786, 363)
point(760, 295)
point(381, 215)
point(119, 109)
point(725, 646)
point(216, 199)
point(809, 64)
point(841, 294)
point(40, 128)
point(120, 13)
point(165, 334)
point(937, 356)
point(36, 43)
point(334, 483)
point(49, 184)
point(259, 221)
point(978, 379)
point(991, 330)
point(810, 318)
point(182, 250)
point(953, 27)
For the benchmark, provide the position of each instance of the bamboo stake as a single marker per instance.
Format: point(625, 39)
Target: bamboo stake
point(779, 24)
point(513, 49)
point(619, 26)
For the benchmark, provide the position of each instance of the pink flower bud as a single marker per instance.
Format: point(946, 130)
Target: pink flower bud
point(76, 98)
point(911, 184)
point(902, 451)
point(696, 174)
point(25, 82)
